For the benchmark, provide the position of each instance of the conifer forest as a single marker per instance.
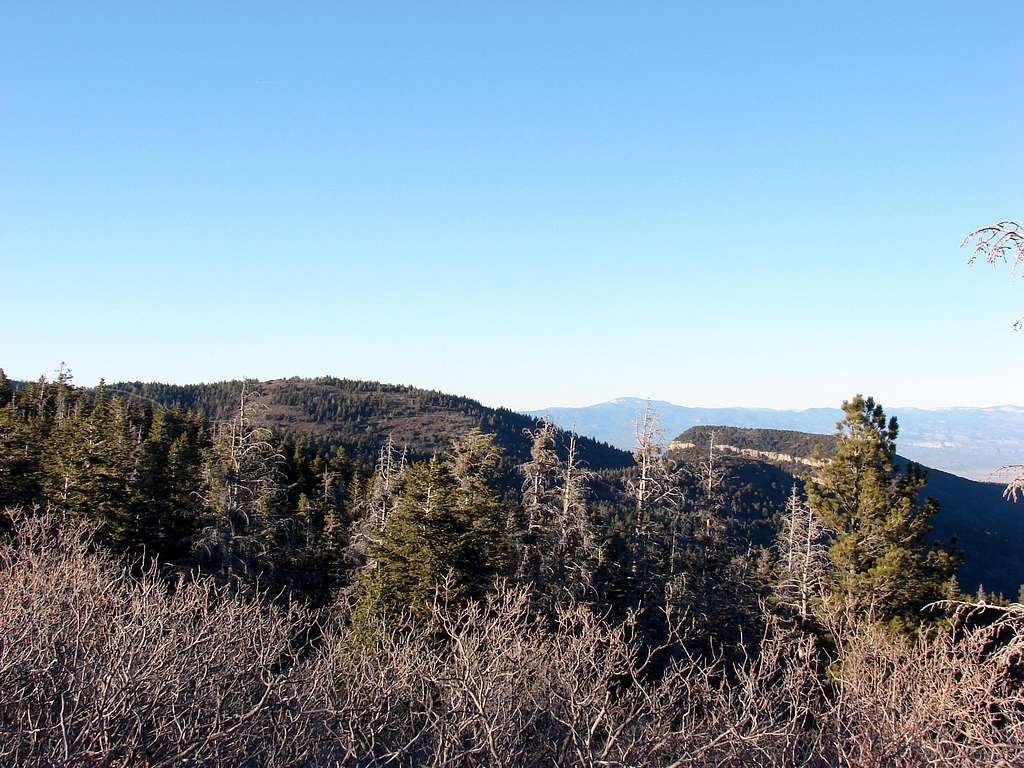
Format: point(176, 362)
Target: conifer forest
point(511, 385)
point(186, 579)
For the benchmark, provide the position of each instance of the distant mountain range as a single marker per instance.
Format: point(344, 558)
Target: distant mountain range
point(970, 442)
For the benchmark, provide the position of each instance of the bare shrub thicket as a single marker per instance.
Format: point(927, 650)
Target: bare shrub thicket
point(101, 668)
point(942, 701)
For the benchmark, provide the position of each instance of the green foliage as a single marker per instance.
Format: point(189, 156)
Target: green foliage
point(170, 475)
point(781, 441)
point(20, 472)
point(448, 533)
point(884, 569)
point(6, 389)
point(91, 468)
point(255, 497)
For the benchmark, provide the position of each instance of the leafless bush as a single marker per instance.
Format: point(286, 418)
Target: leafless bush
point(935, 701)
point(97, 667)
point(504, 689)
point(101, 668)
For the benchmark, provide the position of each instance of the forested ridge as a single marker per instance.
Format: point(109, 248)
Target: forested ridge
point(361, 415)
point(327, 572)
point(764, 464)
point(800, 445)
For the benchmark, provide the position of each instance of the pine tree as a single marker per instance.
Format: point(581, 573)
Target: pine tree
point(884, 568)
point(411, 560)
point(62, 394)
point(91, 467)
point(170, 474)
point(339, 520)
point(447, 532)
point(20, 449)
point(482, 518)
point(6, 390)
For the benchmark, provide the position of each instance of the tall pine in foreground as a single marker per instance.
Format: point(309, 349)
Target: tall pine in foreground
point(885, 568)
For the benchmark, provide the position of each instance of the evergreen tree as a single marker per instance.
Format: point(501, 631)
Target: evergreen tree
point(473, 464)
point(6, 390)
point(20, 447)
point(339, 492)
point(885, 569)
point(91, 465)
point(172, 464)
point(409, 562)
point(339, 519)
point(447, 531)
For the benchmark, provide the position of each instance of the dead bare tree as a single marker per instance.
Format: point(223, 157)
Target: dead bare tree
point(801, 555)
point(241, 486)
point(999, 242)
point(385, 490)
point(577, 551)
point(539, 477)
point(711, 582)
point(557, 543)
point(387, 483)
point(654, 489)
point(1002, 242)
point(709, 475)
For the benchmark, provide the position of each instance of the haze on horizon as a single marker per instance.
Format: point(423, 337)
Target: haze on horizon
point(535, 207)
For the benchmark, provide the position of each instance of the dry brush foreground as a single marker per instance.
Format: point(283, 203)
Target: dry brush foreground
point(100, 667)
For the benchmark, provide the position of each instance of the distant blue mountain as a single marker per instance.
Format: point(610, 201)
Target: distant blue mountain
point(971, 442)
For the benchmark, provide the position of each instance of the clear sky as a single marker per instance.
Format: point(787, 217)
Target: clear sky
point(534, 204)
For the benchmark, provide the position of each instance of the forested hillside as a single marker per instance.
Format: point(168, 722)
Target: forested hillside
point(219, 580)
point(763, 465)
point(798, 445)
point(361, 415)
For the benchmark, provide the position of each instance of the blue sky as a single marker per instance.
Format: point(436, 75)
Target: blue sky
point(533, 204)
